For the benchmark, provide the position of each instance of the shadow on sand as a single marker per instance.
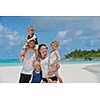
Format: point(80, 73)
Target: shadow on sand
point(95, 69)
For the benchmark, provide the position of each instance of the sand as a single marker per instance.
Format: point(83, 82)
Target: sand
point(71, 73)
point(10, 74)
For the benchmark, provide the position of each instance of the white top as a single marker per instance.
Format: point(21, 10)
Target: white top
point(28, 62)
point(44, 66)
point(52, 57)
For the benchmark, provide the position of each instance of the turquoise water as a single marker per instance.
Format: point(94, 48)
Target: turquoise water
point(7, 62)
point(79, 62)
point(16, 62)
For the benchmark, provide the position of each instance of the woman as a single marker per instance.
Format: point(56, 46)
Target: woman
point(44, 63)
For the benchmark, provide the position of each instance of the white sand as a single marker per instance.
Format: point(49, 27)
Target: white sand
point(71, 73)
point(9, 74)
point(75, 73)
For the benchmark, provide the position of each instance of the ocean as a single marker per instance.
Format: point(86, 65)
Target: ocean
point(16, 62)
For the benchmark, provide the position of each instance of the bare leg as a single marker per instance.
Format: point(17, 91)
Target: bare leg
point(58, 77)
point(50, 81)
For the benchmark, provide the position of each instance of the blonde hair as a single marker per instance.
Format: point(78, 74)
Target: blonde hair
point(55, 42)
point(36, 63)
point(32, 28)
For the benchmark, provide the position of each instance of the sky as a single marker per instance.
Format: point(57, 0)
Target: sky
point(71, 32)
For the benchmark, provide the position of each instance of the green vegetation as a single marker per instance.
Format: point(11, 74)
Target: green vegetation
point(85, 54)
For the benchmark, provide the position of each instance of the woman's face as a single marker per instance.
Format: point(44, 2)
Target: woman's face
point(43, 50)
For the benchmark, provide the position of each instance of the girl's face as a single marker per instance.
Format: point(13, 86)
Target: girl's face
point(43, 50)
point(53, 46)
point(31, 44)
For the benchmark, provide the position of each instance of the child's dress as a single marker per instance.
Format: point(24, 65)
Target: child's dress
point(52, 59)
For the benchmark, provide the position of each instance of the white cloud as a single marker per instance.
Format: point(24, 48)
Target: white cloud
point(63, 37)
point(95, 42)
point(95, 23)
point(1, 28)
point(79, 33)
point(12, 37)
point(62, 34)
point(68, 49)
point(65, 42)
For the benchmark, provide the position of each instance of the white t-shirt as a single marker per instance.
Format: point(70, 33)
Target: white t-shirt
point(44, 66)
point(28, 62)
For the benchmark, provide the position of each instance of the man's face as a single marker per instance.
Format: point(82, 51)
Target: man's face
point(31, 44)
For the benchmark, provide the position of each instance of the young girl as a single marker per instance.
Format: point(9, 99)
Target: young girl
point(54, 60)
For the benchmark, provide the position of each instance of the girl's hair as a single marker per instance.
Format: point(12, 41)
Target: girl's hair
point(55, 42)
point(39, 47)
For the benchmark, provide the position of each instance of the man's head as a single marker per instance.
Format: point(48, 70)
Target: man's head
point(31, 44)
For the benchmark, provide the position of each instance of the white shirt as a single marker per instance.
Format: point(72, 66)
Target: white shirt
point(28, 62)
point(44, 67)
point(52, 57)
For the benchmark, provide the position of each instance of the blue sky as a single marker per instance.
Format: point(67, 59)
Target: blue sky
point(71, 32)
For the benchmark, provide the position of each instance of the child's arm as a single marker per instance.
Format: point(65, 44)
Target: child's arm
point(58, 58)
point(33, 38)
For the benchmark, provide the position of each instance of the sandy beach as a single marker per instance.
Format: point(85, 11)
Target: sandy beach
point(71, 73)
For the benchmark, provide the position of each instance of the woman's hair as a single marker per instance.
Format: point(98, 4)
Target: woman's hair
point(39, 47)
